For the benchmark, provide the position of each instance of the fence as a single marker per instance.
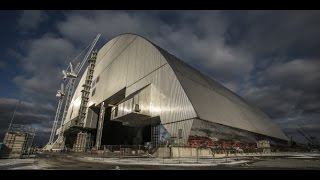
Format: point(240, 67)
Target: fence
point(131, 154)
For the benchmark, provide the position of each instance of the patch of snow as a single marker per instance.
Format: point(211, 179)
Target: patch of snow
point(25, 167)
point(8, 162)
point(235, 162)
point(168, 162)
point(301, 157)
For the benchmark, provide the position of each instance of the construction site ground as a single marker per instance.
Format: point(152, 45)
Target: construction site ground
point(72, 162)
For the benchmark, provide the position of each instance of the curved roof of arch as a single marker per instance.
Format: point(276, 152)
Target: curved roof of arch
point(210, 100)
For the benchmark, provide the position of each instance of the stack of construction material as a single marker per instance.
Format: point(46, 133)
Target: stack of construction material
point(16, 143)
point(82, 142)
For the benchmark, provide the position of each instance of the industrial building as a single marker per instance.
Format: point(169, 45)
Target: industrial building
point(133, 92)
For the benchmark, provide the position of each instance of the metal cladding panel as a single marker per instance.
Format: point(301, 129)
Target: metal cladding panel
point(89, 118)
point(111, 78)
point(142, 98)
point(105, 49)
point(78, 89)
point(131, 62)
point(215, 103)
point(128, 106)
point(168, 99)
point(173, 129)
point(201, 128)
point(146, 65)
point(76, 99)
point(109, 52)
point(214, 107)
point(143, 59)
point(92, 119)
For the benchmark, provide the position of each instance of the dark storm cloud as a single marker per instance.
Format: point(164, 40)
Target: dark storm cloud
point(271, 58)
point(279, 32)
point(42, 63)
point(296, 74)
point(2, 65)
point(31, 19)
point(35, 115)
point(292, 86)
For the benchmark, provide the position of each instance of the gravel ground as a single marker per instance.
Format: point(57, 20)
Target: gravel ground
point(68, 162)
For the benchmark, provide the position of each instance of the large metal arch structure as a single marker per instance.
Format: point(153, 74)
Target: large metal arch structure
point(184, 99)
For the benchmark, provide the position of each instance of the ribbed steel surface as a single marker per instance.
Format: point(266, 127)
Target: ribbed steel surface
point(179, 93)
point(213, 102)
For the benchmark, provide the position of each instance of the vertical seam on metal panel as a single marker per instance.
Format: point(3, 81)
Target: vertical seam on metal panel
point(118, 55)
point(110, 48)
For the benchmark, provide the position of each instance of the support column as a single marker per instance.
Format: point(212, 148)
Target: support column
point(100, 126)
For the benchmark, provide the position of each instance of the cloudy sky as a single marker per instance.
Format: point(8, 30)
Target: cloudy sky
point(271, 58)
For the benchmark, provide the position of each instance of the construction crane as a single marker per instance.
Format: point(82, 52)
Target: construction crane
point(309, 140)
point(312, 138)
point(14, 112)
point(60, 94)
point(71, 74)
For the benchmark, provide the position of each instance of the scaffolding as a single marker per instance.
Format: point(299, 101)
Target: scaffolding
point(155, 135)
point(83, 142)
point(18, 139)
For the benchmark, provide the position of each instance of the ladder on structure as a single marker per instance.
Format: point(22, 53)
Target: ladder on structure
point(86, 89)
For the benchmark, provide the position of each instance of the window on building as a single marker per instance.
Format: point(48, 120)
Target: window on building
point(93, 92)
